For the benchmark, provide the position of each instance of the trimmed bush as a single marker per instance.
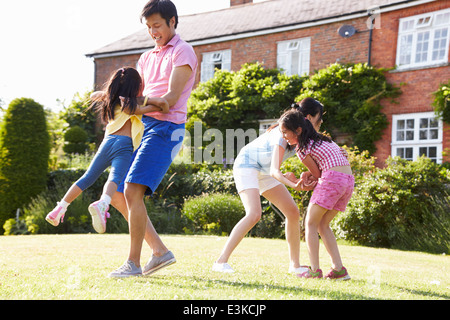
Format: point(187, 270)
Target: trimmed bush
point(25, 150)
point(214, 213)
point(76, 140)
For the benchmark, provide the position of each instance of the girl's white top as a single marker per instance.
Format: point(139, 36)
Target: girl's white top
point(258, 153)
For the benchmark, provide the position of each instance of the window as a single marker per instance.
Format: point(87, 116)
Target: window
point(417, 134)
point(220, 60)
point(293, 56)
point(423, 40)
point(265, 124)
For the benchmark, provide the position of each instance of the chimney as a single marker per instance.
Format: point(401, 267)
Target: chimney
point(239, 2)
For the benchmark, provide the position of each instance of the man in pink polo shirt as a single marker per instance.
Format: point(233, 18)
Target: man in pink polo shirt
point(168, 71)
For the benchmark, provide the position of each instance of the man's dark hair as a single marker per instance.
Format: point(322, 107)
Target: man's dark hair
point(165, 8)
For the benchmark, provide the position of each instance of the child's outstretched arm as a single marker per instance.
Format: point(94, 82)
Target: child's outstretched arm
point(277, 159)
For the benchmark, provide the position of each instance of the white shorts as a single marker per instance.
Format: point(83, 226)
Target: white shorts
point(250, 178)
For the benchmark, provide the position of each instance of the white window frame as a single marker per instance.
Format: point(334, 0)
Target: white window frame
point(417, 34)
point(293, 56)
point(265, 124)
point(212, 61)
point(414, 132)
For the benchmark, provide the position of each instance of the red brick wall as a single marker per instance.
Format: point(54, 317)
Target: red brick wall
point(104, 67)
point(417, 85)
point(326, 46)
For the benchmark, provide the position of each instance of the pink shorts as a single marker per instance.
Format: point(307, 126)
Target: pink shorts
point(334, 190)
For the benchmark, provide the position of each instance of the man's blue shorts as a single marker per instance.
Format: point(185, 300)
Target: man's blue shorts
point(161, 142)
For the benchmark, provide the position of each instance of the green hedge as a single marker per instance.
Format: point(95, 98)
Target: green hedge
point(404, 206)
point(214, 213)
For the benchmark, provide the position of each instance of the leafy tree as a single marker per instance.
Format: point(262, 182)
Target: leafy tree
point(25, 149)
point(238, 99)
point(351, 94)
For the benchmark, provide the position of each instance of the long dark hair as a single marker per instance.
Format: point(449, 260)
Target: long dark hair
point(310, 106)
point(294, 119)
point(165, 8)
point(307, 106)
point(125, 82)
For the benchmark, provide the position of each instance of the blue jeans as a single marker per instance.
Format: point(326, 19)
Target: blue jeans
point(115, 151)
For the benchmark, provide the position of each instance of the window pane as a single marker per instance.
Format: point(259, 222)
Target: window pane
point(434, 134)
point(422, 46)
point(439, 44)
point(408, 153)
point(400, 124)
point(434, 123)
point(400, 153)
point(410, 124)
point(295, 59)
point(405, 49)
point(423, 134)
point(400, 136)
point(409, 135)
point(407, 25)
point(432, 152)
point(423, 123)
point(422, 151)
point(443, 18)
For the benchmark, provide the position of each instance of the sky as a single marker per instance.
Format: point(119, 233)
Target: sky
point(43, 43)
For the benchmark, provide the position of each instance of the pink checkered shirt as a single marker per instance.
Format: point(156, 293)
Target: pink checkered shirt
point(326, 155)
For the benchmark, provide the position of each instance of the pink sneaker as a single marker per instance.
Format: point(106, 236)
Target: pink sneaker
point(338, 275)
point(99, 213)
point(311, 274)
point(55, 215)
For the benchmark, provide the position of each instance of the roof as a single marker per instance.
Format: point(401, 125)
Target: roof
point(252, 18)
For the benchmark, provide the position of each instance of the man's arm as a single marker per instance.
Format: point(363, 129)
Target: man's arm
point(177, 82)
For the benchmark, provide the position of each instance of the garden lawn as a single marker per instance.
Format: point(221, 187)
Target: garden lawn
point(76, 267)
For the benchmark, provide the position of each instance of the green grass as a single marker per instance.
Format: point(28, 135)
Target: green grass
point(76, 267)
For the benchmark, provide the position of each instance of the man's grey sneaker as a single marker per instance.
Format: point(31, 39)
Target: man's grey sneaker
point(156, 263)
point(128, 269)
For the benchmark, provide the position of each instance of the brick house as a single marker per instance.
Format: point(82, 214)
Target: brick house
point(302, 36)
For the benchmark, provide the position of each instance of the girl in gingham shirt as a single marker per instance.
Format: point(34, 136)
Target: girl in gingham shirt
point(327, 163)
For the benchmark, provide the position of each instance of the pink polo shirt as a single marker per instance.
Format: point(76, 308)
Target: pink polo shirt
point(155, 67)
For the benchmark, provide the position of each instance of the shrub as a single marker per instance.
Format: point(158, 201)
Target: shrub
point(183, 181)
point(77, 218)
point(75, 140)
point(404, 206)
point(25, 150)
point(441, 102)
point(214, 213)
point(165, 216)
